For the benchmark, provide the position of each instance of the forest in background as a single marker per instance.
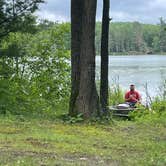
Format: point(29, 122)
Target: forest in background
point(134, 38)
point(128, 37)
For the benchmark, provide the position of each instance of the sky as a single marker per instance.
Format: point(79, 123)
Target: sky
point(145, 11)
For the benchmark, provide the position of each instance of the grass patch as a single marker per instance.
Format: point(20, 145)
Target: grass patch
point(51, 142)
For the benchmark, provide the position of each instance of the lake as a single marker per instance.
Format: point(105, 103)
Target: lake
point(138, 70)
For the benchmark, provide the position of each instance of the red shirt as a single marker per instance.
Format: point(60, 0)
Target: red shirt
point(132, 96)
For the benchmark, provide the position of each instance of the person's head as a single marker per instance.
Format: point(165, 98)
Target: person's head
point(132, 87)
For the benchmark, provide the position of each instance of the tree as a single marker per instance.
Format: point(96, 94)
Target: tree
point(104, 55)
point(162, 35)
point(76, 29)
point(84, 97)
point(16, 15)
point(156, 44)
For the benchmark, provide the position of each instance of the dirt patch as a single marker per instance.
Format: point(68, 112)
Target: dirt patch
point(159, 139)
point(38, 143)
point(129, 128)
point(73, 159)
point(22, 153)
point(108, 129)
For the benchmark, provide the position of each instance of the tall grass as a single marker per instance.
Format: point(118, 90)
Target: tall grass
point(116, 95)
point(159, 103)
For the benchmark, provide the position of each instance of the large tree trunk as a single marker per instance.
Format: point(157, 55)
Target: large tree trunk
point(104, 55)
point(87, 101)
point(76, 32)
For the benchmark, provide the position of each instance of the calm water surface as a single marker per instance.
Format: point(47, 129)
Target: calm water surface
point(138, 70)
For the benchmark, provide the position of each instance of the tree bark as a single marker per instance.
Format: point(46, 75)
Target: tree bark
point(76, 32)
point(104, 55)
point(86, 100)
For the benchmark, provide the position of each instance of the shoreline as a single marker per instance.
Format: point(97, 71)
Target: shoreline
point(134, 54)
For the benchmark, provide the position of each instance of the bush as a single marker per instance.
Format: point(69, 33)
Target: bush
point(159, 106)
point(37, 78)
point(156, 115)
point(140, 112)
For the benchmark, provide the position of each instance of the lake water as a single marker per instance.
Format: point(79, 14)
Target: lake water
point(138, 70)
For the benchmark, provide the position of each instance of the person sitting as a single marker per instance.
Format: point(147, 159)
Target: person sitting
point(132, 97)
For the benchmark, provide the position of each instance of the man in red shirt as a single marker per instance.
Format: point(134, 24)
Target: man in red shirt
point(132, 96)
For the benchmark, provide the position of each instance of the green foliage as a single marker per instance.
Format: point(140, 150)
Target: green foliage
point(162, 35)
point(140, 112)
point(157, 114)
point(6, 96)
point(16, 15)
point(37, 70)
point(68, 119)
point(156, 44)
point(133, 38)
point(15, 44)
point(51, 70)
point(159, 106)
point(116, 95)
point(125, 38)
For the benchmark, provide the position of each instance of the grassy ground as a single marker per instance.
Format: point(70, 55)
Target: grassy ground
point(28, 142)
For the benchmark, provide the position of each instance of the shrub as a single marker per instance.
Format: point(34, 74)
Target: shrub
point(37, 78)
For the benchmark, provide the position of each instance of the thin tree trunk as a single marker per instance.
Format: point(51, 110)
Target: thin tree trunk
point(104, 55)
point(76, 31)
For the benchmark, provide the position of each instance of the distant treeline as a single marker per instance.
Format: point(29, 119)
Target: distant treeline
point(134, 37)
point(127, 37)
